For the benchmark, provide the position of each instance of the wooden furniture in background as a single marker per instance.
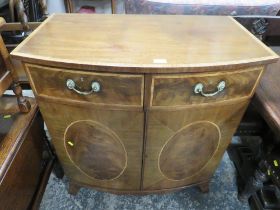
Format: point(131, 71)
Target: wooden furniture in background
point(70, 6)
point(24, 170)
point(19, 75)
point(267, 99)
point(257, 153)
point(8, 78)
point(28, 10)
point(44, 8)
point(148, 107)
point(25, 157)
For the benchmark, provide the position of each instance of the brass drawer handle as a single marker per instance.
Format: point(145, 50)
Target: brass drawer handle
point(198, 89)
point(95, 87)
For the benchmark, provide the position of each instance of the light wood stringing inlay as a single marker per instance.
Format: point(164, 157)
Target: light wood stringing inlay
point(178, 156)
point(131, 43)
point(95, 150)
point(147, 67)
point(178, 90)
point(116, 89)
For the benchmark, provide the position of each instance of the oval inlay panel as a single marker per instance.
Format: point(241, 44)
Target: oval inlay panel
point(95, 149)
point(189, 150)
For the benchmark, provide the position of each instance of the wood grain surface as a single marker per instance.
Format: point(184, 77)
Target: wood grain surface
point(10, 132)
point(146, 130)
point(6, 78)
point(9, 78)
point(21, 155)
point(194, 137)
point(267, 98)
point(123, 138)
point(143, 43)
point(151, 149)
point(178, 90)
point(178, 158)
point(116, 89)
point(5, 82)
point(95, 149)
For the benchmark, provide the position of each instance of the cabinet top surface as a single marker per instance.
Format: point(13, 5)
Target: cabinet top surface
point(143, 43)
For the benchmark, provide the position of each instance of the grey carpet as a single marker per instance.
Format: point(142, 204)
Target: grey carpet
point(222, 196)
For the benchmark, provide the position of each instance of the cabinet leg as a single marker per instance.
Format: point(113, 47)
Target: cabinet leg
point(58, 170)
point(73, 188)
point(204, 187)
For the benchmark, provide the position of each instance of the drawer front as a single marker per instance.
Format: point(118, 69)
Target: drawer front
point(115, 89)
point(179, 90)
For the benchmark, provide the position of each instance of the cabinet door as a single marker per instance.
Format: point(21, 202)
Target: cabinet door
point(184, 146)
point(97, 147)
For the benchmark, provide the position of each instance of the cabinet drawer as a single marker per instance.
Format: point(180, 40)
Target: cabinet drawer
point(115, 89)
point(179, 90)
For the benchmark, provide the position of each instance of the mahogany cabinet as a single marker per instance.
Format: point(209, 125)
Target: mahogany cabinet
point(100, 137)
point(142, 104)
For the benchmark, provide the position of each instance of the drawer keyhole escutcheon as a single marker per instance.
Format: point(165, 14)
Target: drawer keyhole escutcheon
point(95, 87)
point(198, 89)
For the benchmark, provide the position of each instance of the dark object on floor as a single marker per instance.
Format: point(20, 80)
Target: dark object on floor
point(258, 170)
point(245, 157)
point(257, 159)
point(265, 199)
